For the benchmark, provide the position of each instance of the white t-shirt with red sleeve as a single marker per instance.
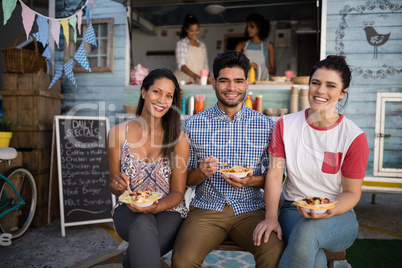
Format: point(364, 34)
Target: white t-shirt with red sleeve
point(316, 158)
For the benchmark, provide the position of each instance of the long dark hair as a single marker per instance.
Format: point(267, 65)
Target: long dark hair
point(171, 120)
point(189, 19)
point(338, 64)
point(261, 23)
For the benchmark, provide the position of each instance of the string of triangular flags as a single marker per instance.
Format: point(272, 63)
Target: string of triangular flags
point(52, 25)
point(79, 56)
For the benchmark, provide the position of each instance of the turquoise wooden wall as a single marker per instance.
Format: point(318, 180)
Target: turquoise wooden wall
point(102, 93)
point(372, 73)
point(345, 35)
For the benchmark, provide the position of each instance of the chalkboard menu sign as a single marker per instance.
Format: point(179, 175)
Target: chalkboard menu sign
point(83, 173)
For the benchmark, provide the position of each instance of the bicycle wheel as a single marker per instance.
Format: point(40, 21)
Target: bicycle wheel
point(17, 221)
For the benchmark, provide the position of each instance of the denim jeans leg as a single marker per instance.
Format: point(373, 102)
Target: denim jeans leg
point(288, 217)
point(310, 236)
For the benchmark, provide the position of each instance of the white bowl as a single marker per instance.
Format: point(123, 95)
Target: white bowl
point(318, 211)
point(279, 78)
point(239, 175)
point(143, 204)
point(317, 208)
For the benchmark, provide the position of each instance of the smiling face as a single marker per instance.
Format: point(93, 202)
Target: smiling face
point(193, 31)
point(326, 89)
point(158, 98)
point(230, 87)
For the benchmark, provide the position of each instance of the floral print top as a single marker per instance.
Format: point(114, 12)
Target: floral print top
point(151, 176)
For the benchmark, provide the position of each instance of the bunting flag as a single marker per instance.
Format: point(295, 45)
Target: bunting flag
point(81, 58)
point(66, 30)
point(68, 71)
point(90, 35)
point(48, 56)
point(53, 25)
point(55, 30)
point(46, 53)
point(73, 22)
point(8, 8)
point(28, 17)
point(58, 73)
point(89, 15)
point(43, 27)
point(79, 17)
point(36, 36)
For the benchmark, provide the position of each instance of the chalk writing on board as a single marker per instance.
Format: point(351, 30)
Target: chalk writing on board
point(84, 210)
point(84, 169)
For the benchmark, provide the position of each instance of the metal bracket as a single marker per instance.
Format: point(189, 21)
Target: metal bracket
point(382, 135)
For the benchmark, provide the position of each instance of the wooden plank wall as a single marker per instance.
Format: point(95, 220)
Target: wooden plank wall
point(372, 73)
point(104, 91)
point(374, 69)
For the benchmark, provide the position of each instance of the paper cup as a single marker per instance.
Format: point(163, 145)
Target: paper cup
point(289, 75)
point(204, 73)
point(199, 106)
point(204, 80)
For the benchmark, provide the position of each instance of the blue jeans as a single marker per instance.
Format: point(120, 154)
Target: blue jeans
point(307, 239)
point(150, 236)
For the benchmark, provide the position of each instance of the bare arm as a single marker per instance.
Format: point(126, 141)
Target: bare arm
point(194, 76)
point(177, 183)
point(249, 180)
point(350, 196)
point(271, 53)
point(206, 169)
point(178, 177)
point(240, 46)
point(272, 192)
point(347, 200)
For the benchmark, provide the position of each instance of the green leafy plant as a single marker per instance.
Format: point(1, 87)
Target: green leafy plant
point(6, 125)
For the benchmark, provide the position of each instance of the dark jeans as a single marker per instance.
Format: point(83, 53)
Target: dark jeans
point(150, 236)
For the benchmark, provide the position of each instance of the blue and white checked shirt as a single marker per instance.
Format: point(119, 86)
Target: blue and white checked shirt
point(242, 141)
point(182, 47)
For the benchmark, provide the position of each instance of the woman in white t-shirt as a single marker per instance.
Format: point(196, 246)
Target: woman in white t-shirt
point(325, 155)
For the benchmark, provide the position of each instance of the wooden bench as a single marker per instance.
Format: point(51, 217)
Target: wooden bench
point(229, 245)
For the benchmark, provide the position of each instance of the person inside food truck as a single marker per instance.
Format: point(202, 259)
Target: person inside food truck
point(191, 53)
point(257, 48)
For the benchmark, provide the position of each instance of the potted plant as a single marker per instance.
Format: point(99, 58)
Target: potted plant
point(6, 132)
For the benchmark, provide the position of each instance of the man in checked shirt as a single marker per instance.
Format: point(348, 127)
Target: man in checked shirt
point(226, 207)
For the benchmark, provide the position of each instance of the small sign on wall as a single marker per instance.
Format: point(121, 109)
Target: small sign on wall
point(283, 37)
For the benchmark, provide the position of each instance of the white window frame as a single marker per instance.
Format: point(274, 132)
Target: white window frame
point(77, 68)
point(379, 135)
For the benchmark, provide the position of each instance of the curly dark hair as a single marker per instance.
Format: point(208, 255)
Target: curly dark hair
point(262, 24)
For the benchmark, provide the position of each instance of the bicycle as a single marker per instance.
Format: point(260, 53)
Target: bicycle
point(18, 197)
